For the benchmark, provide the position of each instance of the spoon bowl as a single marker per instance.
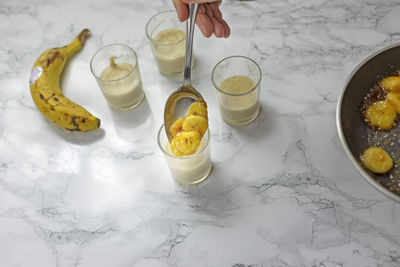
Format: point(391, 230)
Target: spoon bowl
point(178, 102)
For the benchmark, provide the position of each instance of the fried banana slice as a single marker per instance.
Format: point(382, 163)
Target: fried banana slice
point(195, 122)
point(176, 127)
point(381, 115)
point(390, 84)
point(393, 98)
point(198, 108)
point(186, 143)
point(377, 160)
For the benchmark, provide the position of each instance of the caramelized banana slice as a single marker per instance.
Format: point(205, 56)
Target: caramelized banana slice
point(393, 98)
point(391, 83)
point(176, 127)
point(174, 149)
point(188, 131)
point(185, 143)
point(377, 160)
point(198, 108)
point(381, 115)
point(194, 122)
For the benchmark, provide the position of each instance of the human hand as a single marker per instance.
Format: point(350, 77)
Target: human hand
point(209, 17)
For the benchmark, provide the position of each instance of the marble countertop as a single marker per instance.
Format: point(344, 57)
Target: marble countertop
point(282, 191)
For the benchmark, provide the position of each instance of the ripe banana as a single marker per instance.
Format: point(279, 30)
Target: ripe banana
point(377, 160)
point(381, 115)
point(46, 92)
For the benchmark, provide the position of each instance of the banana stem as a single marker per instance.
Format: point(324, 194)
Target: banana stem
point(82, 36)
point(77, 43)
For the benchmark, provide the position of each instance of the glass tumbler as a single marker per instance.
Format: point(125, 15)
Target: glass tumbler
point(116, 70)
point(237, 82)
point(167, 38)
point(188, 169)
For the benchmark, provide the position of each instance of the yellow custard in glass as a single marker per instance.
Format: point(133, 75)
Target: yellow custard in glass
point(170, 51)
point(121, 85)
point(240, 103)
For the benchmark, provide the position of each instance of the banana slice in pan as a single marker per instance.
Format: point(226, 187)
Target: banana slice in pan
point(394, 99)
point(390, 84)
point(377, 160)
point(381, 115)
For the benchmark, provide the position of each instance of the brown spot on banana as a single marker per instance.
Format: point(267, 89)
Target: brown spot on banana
point(47, 99)
point(75, 123)
point(51, 57)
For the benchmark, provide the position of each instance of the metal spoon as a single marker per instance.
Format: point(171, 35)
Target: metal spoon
point(178, 102)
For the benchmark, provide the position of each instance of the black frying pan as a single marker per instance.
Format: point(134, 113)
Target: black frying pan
point(355, 134)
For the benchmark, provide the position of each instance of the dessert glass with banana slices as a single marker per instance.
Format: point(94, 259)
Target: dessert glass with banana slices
point(237, 82)
point(116, 69)
point(188, 153)
point(167, 38)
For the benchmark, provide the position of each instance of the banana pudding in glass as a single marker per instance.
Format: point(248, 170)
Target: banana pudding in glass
point(167, 38)
point(120, 82)
point(188, 154)
point(237, 82)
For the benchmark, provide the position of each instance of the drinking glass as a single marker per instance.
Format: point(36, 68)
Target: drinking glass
point(239, 101)
point(168, 52)
point(188, 169)
point(122, 90)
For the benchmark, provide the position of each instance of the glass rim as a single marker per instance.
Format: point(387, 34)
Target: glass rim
point(183, 157)
point(121, 78)
point(241, 94)
point(151, 39)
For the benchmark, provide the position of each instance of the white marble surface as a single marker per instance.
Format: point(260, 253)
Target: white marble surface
point(282, 191)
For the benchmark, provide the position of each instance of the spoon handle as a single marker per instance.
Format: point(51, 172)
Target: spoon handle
point(189, 43)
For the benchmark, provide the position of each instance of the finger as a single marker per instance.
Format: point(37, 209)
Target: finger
point(215, 9)
point(219, 30)
point(227, 30)
point(208, 10)
point(218, 15)
point(204, 23)
point(181, 9)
